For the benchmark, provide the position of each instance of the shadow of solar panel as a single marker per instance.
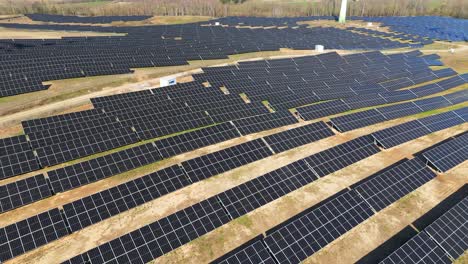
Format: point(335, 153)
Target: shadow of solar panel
point(313, 230)
point(449, 154)
point(259, 123)
point(85, 172)
point(299, 136)
point(399, 110)
point(224, 160)
point(323, 109)
point(162, 236)
point(389, 186)
point(97, 207)
point(341, 156)
point(185, 142)
point(253, 251)
point(441, 121)
point(23, 192)
point(357, 120)
point(266, 188)
point(400, 134)
point(451, 229)
point(31, 233)
point(457, 97)
point(420, 249)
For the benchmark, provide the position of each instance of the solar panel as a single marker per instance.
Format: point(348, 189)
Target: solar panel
point(400, 134)
point(364, 101)
point(298, 136)
point(441, 121)
point(17, 163)
point(253, 251)
point(92, 170)
point(162, 236)
point(102, 205)
point(259, 123)
point(14, 144)
point(81, 147)
point(463, 113)
point(266, 188)
point(457, 97)
point(31, 233)
point(450, 231)
point(432, 103)
point(22, 192)
point(185, 142)
point(322, 109)
point(313, 229)
point(449, 154)
point(357, 120)
point(399, 110)
point(341, 156)
point(420, 249)
point(385, 188)
point(165, 126)
point(227, 159)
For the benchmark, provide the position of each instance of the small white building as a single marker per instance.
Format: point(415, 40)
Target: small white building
point(166, 81)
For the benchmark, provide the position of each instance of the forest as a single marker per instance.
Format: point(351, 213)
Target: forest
point(220, 8)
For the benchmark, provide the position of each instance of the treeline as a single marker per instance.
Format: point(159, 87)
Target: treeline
point(219, 8)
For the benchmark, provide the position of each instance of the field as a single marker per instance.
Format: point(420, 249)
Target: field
point(74, 95)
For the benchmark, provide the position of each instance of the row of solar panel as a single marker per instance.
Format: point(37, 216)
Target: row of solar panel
point(84, 213)
point(339, 106)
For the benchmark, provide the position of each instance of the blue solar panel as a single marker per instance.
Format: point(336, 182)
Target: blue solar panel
point(399, 110)
point(357, 120)
point(441, 121)
point(449, 154)
point(432, 103)
point(463, 113)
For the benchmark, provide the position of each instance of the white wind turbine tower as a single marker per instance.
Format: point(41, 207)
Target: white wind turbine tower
point(342, 18)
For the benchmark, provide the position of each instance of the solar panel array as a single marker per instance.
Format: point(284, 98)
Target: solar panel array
point(227, 159)
point(299, 136)
point(160, 237)
point(85, 172)
point(82, 19)
point(449, 154)
point(31, 233)
point(22, 192)
point(399, 134)
point(361, 119)
point(185, 142)
point(16, 157)
point(254, 251)
point(102, 205)
point(144, 122)
point(28, 63)
point(441, 242)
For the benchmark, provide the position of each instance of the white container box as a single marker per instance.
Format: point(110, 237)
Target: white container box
point(166, 81)
point(319, 48)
